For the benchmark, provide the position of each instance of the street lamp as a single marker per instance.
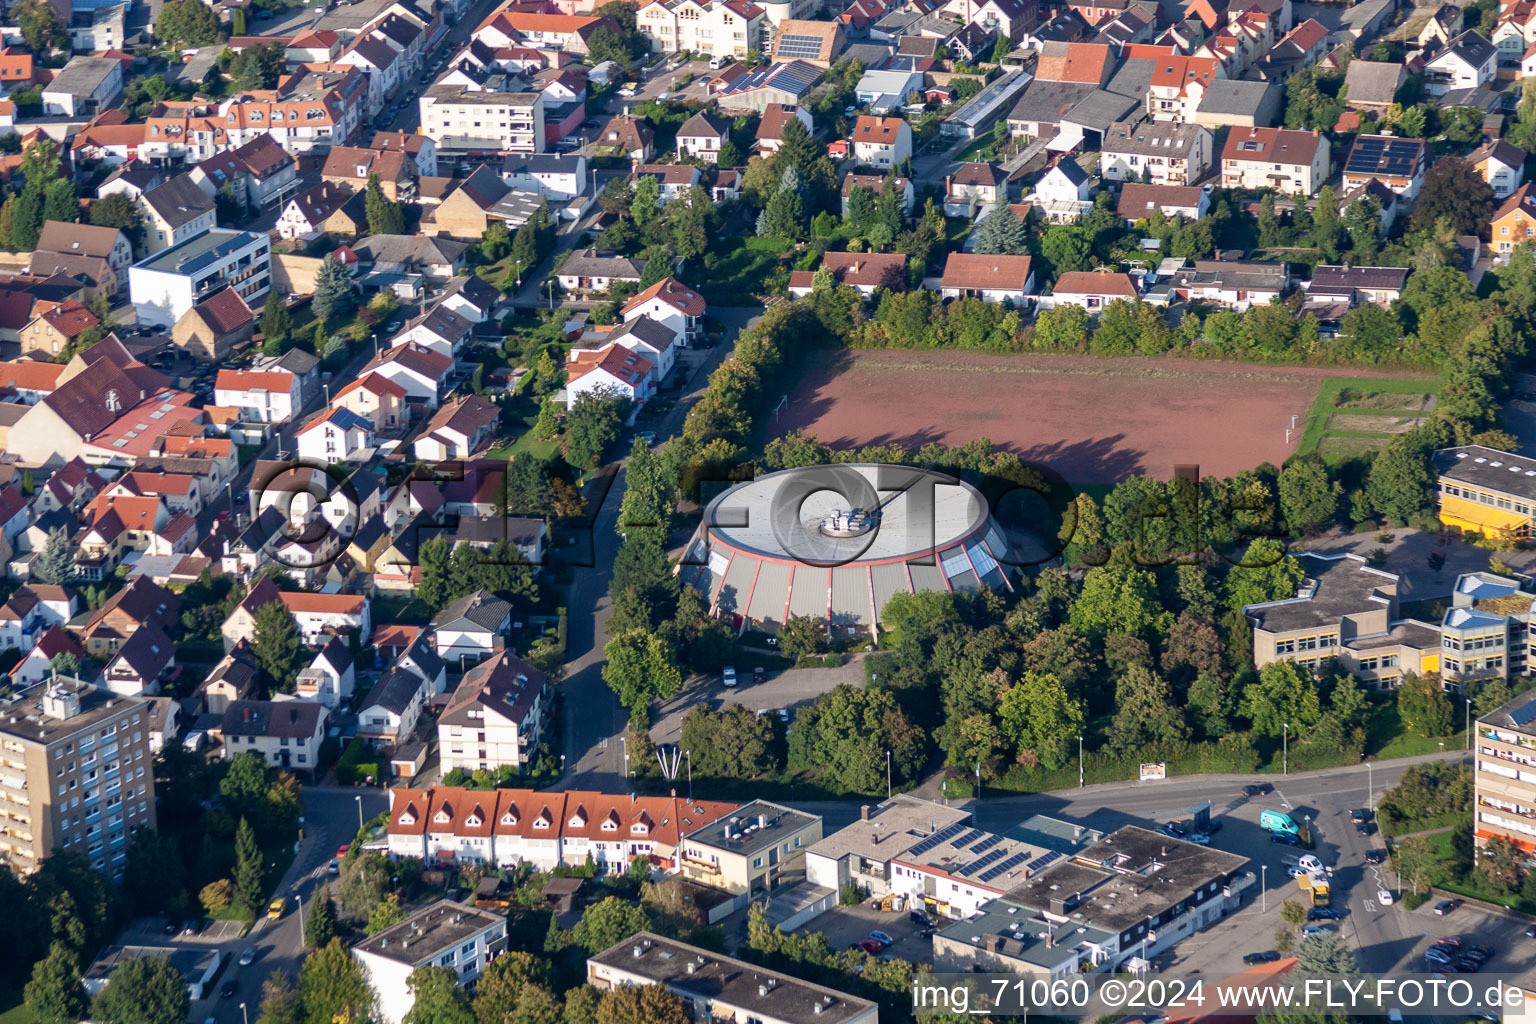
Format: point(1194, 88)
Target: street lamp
point(1263, 888)
point(690, 775)
point(244, 1015)
point(887, 774)
point(1469, 722)
point(976, 809)
point(299, 895)
point(1285, 754)
point(359, 799)
point(625, 740)
point(1079, 762)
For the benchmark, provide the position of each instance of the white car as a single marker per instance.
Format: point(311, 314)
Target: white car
point(1297, 872)
point(626, 92)
point(1385, 897)
point(728, 676)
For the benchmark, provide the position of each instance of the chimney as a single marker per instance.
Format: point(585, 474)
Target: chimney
point(762, 821)
point(864, 812)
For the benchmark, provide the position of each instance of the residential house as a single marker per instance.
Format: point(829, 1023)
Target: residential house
point(1137, 201)
point(1279, 158)
point(481, 199)
point(611, 370)
point(496, 717)
point(701, 137)
point(1443, 25)
point(1227, 104)
point(37, 664)
point(674, 180)
point(1353, 285)
point(330, 677)
point(875, 184)
point(629, 137)
point(1092, 290)
point(471, 629)
point(862, 271)
point(881, 141)
point(437, 259)
point(591, 270)
point(1300, 50)
point(1234, 284)
point(439, 330)
point(1397, 163)
point(472, 298)
point(455, 936)
point(376, 399)
point(215, 327)
point(287, 734)
point(737, 89)
point(140, 603)
point(1501, 165)
point(84, 87)
point(350, 167)
point(994, 277)
point(1178, 85)
point(165, 286)
point(770, 127)
point(1468, 61)
point(69, 241)
point(319, 616)
point(673, 305)
point(974, 185)
point(475, 121)
point(260, 396)
point(139, 667)
point(309, 213)
point(337, 435)
point(560, 177)
point(258, 174)
point(422, 373)
point(721, 28)
point(1063, 193)
point(458, 430)
point(1167, 153)
point(173, 213)
point(55, 328)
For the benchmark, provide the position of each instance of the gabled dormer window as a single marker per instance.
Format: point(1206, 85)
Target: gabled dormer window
point(408, 818)
point(442, 817)
point(509, 818)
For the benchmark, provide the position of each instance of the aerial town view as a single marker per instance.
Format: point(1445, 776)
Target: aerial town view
point(767, 511)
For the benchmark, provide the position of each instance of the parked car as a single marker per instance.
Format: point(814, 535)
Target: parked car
point(1296, 872)
point(1437, 954)
point(1316, 929)
point(1267, 957)
point(1284, 839)
point(882, 938)
point(1323, 914)
point(1530, 932)
point(920, 918)
point(1198, 838)
point(227, 990)
point(1256, 789)
point(1450, 940)
point(172, 927)
point(728, 676)
point(1375, 856)
point(341, 851)
point(1365, 828)
point(248, 957)
point(1385, 897)
point(758, 675)
point(1446, 906)
point(333, 868)
point(871, 947)
point(1359, 814)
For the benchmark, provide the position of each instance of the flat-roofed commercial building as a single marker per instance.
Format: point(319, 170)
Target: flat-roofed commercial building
point(721, 988)
point(1486, 491)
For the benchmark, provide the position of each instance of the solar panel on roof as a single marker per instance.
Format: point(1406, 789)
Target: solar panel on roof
point(798, 46)
point(970, 837)
point(1522, 715)
point(977, 865)
point(990, 841)
point(943, 835)
point(1004, 867)
point(1041, 861)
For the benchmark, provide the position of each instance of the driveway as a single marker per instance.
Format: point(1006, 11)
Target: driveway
point(789, 689)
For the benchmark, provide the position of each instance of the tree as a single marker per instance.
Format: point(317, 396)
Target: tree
point(275, 319)
point(259, 67)
point(1308, 499)
point(591, 425)
point(640, 669)
point(145, 990)
point(434, 558)
point(55, 994)
point(1285, 695)
point(645, 207)
point(1455, 190)
point(847, 732)
point(653, 1004)
point(607, 923)
point(364, 882)
point(1039, 715)
point(802, 635)
point(385, 915)
point(250, 881)
point(1145, 712)
point(1423, 706)
point(1398, 484)
point(278, 646)
point(333, 288)
point(1001, 232)
point(217, 896)
point(332, 986)
point(1117, 598)
point(182, 22)
point(784, 216)
point(501, 986)
point(153, 872)
point(384, 217)
point(1266, 573)
point(606, 44)
point(118, 211)
point(732, 743)
point(437, 998)
point(1325, 953)
point(41, 27)
point(861, 206)
point(27, 221)
point(1067, 248)
point(56, 564)
point(279, 1003)
point(61, 201)
point(320, 926)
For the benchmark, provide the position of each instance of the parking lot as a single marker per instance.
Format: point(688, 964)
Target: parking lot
point(152, 931)
point(788, 689)
point(844, 926)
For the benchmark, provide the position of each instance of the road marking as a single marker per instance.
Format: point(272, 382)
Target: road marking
point(1283, 801)
point(1370, 905)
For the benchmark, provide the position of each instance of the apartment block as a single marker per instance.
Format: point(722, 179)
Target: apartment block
point(442, 934)
point(1486, 491)
point(76, 773)
point(749, 851)
point(165, 286)
point(1504, 802)
point(462, 122)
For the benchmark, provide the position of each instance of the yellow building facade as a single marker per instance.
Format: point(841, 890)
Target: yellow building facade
point(1486, 491)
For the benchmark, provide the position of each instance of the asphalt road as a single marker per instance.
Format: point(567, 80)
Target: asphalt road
point(594, 723)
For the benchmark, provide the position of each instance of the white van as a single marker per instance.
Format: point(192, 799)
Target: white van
point(1307, 862)
point(719, 62)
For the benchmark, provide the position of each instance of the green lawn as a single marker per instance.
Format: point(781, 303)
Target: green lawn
point(1386, 738)
point(1327, 406)
point(16, 1011)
